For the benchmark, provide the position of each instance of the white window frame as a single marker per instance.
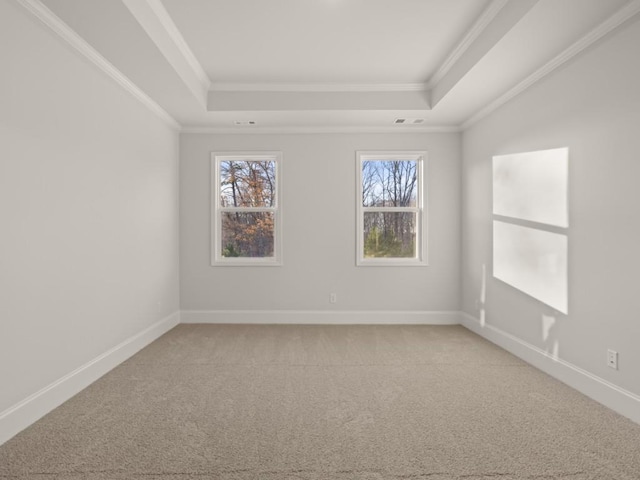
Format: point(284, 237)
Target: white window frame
point(421, 218)
point(216, 218)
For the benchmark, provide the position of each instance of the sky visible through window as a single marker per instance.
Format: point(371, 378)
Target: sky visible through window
point(389, 184)
point(247, 183)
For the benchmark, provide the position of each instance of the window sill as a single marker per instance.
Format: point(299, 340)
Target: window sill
point(249, 262)
point(391, 262)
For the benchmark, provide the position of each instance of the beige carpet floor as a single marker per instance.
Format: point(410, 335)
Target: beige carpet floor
point(272, 402)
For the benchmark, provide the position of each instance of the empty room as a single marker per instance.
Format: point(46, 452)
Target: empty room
point(319, 239)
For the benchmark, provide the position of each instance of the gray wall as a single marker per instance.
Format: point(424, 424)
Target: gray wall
point(88, 209)
point(592, 106)
point(318, 182)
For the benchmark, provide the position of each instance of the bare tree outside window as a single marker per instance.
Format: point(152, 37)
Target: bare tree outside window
point(247, 207)
point(246, 184)
point(389, 183)
point(390, 206)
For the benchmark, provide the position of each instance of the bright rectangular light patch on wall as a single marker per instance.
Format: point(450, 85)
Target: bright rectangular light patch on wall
point(533, 261)
point(532, 186)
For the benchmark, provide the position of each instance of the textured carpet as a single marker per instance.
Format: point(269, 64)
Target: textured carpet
point(272, 402)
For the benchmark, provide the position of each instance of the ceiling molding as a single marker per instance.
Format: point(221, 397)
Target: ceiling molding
point(158, 25)
point(60, 28)
point(503, 21)
point(621, 16)
point(318, 87)
point(180, 42)
point(47, 17)
point(318, 130)
point(485, 18)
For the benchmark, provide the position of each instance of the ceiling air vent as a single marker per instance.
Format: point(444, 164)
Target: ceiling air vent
point(244, 122)
point(415, 121)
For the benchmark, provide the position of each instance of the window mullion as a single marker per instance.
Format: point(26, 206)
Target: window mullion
point(391, 209)
point(247, 209)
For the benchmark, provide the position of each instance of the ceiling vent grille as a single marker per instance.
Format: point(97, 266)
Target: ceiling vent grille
point(415, 121)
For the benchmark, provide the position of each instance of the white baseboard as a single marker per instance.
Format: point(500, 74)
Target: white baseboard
point(24, 413)
point(29, 410)
point(333, 317)
point(616, 398)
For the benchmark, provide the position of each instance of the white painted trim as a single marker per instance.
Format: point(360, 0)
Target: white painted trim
point(625, 13)
point(318, 87)
point(47, 17)
point(24, 413)
point(616, 398)
point(158, 25)
point(322, 317)
point(29, 410)
point(485, 18)
point(175, 35)
point(317, 130)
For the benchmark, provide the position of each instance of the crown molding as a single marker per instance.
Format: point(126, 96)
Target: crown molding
point(485, 18)
point(172, 30)
point(47, 17)
point(318, 87)
point(621, 16)
point(154, 19)
point(318, 130)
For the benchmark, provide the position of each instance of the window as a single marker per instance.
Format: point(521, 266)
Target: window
point(390, 208)
point(246, 210)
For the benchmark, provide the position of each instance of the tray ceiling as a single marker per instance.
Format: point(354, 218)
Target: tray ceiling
point(323, 65)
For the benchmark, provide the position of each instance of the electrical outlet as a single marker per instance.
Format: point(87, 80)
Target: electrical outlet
point(333, 298)
point(612, 359)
